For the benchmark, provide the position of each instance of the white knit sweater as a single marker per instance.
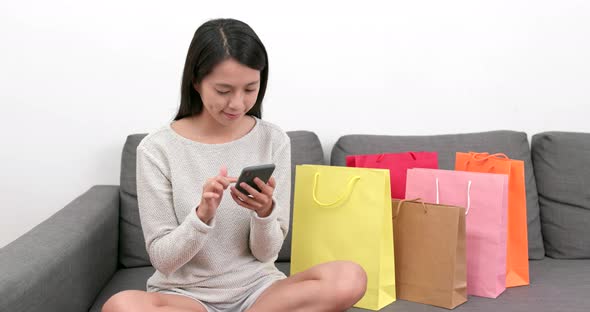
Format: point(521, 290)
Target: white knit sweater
point(237, 250)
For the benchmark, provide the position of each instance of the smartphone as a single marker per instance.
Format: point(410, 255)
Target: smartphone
point(263, 172)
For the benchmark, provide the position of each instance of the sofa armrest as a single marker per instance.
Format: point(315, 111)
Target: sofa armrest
point(64, 262)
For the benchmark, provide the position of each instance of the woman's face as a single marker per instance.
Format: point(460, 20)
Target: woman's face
point(229, 91)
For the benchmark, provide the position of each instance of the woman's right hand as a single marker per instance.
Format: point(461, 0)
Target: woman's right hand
point(212, 194)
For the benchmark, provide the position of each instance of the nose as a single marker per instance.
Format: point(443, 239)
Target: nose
point(237, 101)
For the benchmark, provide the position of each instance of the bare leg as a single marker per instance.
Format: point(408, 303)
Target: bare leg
point(137, 300)
point(333, 286)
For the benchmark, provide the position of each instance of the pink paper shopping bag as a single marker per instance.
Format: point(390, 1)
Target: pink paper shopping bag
point(485, 197)
point(397, 163)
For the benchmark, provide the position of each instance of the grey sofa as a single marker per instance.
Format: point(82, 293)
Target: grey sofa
point(93, 247)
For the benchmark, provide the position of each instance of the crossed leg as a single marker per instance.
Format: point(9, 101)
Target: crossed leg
point(333, 286)
point(330, 287)
point(138, 300)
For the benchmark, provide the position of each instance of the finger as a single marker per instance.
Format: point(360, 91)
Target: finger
point(234, 191)
point(223, 181)
point(272, 182)
point(210, 195)
point(252, 191)
point(260, 198)
point(242, 204)
point(214, 186)
point(245, 199)
point(238, 199)
point(223, 171)
point(265, 188)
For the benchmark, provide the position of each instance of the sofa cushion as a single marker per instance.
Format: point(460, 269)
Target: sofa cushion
point(305, 149)
point(124, 279)
point(514, 144)
point(132, 252)
point(556, 285)
point(136, 279)
point(562, 170)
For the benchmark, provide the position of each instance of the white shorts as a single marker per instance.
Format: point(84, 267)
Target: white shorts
point(242, 303)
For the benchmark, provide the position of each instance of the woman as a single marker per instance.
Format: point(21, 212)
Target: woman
point(211, 251)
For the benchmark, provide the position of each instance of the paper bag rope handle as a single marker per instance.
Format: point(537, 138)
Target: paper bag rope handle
point(485, 156)
point(342, 197)
point(381, 156)
point(468, 195)
point(399, 205)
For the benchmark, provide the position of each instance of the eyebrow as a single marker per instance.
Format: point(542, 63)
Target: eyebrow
point(230, 86)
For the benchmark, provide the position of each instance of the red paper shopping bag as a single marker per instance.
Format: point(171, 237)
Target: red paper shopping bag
point(398, 164)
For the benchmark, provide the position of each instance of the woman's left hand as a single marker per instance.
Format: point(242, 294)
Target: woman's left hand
point(260, 202)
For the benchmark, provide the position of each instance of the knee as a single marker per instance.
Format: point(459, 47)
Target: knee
point(350, 281)
point(121, 301)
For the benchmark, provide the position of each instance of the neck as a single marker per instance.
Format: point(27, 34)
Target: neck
point(210, 129)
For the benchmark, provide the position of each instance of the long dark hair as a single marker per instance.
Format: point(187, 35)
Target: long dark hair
point(214, 42)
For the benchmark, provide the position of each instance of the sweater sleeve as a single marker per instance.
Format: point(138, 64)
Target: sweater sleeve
point(169, 244)
point(267, 234)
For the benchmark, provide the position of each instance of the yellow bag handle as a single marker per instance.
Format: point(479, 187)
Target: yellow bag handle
point(346, 194)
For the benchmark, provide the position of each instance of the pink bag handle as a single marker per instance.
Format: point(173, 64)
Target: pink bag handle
point(468, 195)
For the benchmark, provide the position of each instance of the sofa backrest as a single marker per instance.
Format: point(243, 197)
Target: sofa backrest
point(514, 144)
point(562, 169)
point(305, 149)
point(132, 252)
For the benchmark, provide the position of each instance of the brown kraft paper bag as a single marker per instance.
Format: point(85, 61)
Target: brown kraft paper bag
point(430, 256)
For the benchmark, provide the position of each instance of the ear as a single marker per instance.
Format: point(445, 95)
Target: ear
point(197, 86)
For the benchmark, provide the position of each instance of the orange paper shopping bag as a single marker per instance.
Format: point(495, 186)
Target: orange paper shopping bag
point(517, 256)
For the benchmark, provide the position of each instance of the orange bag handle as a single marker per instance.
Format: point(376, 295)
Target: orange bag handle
point(485, 156)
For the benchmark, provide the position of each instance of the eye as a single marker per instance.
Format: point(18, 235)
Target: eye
point(222, 92)
point(250, 91)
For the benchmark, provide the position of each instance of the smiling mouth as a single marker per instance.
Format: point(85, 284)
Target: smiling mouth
point(231, 116)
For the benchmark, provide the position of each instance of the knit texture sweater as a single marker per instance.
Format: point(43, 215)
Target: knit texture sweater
point(237, 249)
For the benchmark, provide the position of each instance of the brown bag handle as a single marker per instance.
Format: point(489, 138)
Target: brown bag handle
point(415, 200)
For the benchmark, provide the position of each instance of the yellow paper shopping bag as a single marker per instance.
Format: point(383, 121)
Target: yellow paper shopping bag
point(344, 213)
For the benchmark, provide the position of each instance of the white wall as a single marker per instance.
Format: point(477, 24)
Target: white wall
point(76, 78)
